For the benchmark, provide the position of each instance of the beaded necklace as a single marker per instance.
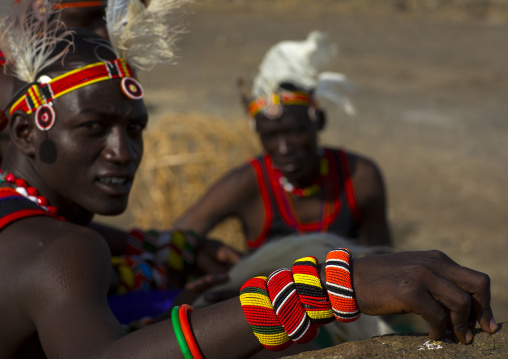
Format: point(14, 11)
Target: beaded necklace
point(30, 193)
point(314, 188)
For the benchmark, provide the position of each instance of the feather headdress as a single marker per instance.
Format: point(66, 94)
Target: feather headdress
point(140, 36)
point(301, 63)
point(28, 36)
point(144, 35)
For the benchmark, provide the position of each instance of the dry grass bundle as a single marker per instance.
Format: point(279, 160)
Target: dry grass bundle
point(184, 155)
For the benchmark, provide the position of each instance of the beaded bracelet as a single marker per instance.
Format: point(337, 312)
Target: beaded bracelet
point(125, 275)
point(177, 328)
point(310, 291)
point(187, 333)
point(176, 248)
point(288, 308)
point(338, 285)
point(138, 273)
point(259, 312)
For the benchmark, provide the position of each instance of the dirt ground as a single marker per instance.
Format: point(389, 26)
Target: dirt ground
point(432, 85)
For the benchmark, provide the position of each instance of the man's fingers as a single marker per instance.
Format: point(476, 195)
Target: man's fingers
point(206, 282)
point(477, 284)
point(457, 303)
point(429, 309)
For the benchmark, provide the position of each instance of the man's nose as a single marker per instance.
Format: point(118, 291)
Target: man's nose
point(282, 144)
point(121, 148)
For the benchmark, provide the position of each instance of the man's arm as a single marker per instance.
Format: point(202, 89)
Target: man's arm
point(73, 319)
point(223, 199)
point(371, 199)
point(68, 306)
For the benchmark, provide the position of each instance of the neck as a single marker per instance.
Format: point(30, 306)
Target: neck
point(313, 173)
point(22, 167)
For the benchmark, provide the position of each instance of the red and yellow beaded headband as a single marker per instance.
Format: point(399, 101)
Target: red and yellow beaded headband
point(271, 105)
point(78, 4)
point(39, 96)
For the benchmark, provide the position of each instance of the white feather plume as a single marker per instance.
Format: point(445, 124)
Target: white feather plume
point(330, 89)
point(28, 36)
point(301, 63)
point(144, 36)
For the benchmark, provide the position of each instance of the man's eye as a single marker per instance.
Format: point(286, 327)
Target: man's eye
point(93, 126)
point(137, 127)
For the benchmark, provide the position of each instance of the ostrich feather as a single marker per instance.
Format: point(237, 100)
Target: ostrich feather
point(302, 63)
point(28, 36)
point(144, 36)
point(297, 62)
point(330, 88)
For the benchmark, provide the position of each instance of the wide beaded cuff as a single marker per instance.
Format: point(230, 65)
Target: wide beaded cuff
point(339, 287)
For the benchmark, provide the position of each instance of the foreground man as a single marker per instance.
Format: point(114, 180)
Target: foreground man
point(76, 131)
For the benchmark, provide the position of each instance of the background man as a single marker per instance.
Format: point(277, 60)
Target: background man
point(297, 186)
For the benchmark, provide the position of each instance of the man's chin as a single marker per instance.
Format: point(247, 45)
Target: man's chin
point(112, 209)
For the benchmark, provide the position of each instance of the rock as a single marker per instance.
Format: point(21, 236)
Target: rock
point(418, 345)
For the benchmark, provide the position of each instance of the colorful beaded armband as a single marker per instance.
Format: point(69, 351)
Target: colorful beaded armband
point(310, 291)
point(259, 312)
point(339, 287)
point(288, 308)
point(138, 273)
point(176, 249)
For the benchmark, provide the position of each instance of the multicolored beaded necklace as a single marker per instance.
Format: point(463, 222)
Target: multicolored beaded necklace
point(313, 189)
point(30, 193)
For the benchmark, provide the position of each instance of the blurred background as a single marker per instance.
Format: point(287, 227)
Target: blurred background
point(431, 80)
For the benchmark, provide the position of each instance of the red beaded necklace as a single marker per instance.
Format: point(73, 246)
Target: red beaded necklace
point(30, 193)
point(307, 191)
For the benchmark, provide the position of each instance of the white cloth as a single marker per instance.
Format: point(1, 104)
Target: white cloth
point(282, 253)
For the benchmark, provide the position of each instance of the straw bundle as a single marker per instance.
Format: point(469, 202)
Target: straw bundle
point(184, 155)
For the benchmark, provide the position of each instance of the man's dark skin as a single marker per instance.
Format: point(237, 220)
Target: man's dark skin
point(291, 142)
point(56, 274)
point(90, 18)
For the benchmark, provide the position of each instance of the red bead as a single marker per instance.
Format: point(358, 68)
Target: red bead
point(52, 210)
point(32, 191)
point(42, 201)
point(20, 182)
point(10, 178)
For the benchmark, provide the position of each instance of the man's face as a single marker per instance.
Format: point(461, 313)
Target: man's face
point(291, 142)
point(98, 140)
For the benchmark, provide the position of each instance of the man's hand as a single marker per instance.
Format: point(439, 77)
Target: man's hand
point(430, 284)
point(215, 257)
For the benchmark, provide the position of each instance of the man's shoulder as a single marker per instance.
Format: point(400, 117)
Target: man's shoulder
point(43, 238)
point(358, 161)
point(242, 176)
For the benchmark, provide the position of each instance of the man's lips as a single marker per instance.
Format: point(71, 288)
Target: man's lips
point(115, 184)
point(288, 166)
point(114, 180)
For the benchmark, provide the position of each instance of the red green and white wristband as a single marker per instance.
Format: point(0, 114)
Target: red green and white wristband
point(339, 287)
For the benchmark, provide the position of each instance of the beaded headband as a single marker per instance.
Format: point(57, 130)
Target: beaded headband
point(271, 106)
point(79, 4)
point(39, 96)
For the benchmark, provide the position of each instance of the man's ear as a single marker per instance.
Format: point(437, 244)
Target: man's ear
point(320, 119)
point(245, 94)
point(22, 133)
